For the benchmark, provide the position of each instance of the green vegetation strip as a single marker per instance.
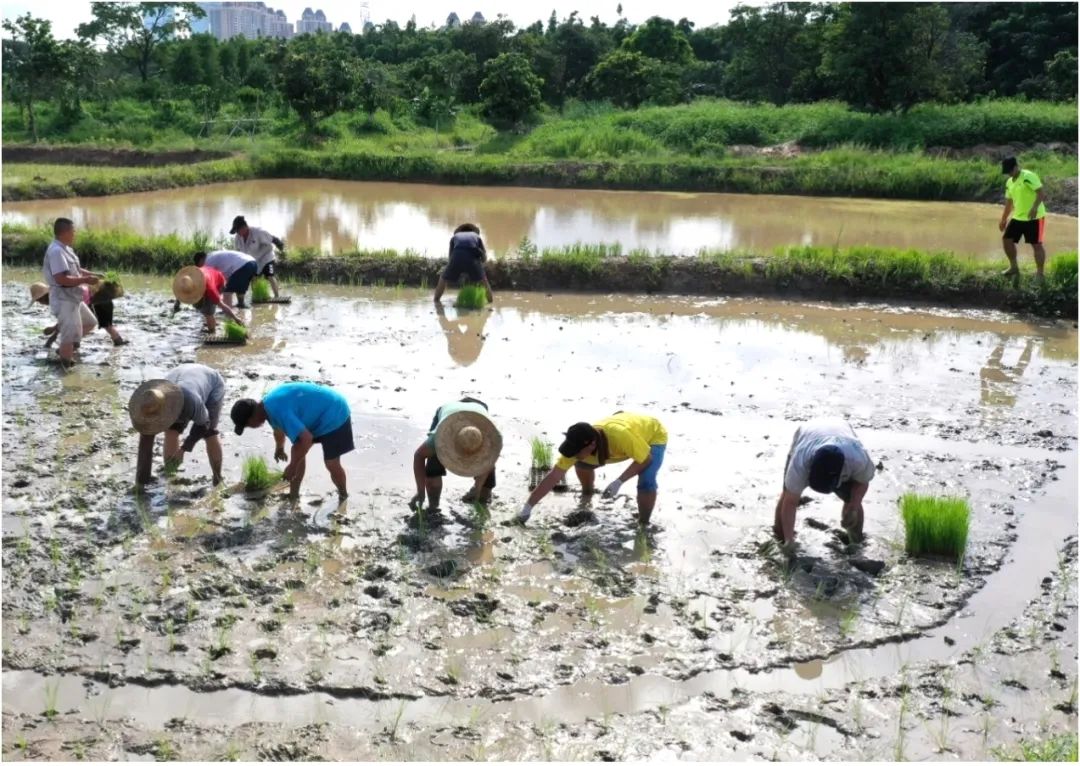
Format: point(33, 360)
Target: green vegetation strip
point(856, 273)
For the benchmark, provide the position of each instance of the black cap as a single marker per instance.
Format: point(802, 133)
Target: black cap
point(825, 469)
point(237, 223)
point(241, 414)
point(1008, 165)
point(577, 436)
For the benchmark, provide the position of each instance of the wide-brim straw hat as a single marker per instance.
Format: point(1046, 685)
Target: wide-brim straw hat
point(189, 285)
point(155, 406)
point(467, 444)
point(37, 290)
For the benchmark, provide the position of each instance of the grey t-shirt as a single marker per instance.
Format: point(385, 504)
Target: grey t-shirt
point(817, 433)
point(228, 262)
point(259, 245)
point(204, 389)
point(59, 258)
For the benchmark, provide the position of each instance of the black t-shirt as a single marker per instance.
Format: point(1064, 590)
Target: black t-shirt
point(467, 242)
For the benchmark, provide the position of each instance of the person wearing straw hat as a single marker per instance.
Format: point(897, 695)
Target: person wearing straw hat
point(308, 414)
point(154, 406)
point(461, 439)
point(101, 308)
point(65, 277)
point(642, 439)
point(201, 287)
point(203, 391)
point(239, 269)
point(259, 244)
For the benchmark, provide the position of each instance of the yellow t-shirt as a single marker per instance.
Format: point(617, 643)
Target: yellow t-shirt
point(629, 436)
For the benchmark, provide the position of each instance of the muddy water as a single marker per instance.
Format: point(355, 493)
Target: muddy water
point(236, 612)
point(338, 216)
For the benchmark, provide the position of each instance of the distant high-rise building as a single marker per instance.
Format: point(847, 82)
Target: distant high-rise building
point(478, 18)
point(345, 28)
point(452, 21)
point(251, 20)
point(311, 23)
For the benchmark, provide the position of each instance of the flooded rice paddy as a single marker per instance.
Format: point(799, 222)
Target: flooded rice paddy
point(339, 216)
point(200, 623)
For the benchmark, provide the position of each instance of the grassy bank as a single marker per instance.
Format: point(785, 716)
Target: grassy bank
point(859, 273)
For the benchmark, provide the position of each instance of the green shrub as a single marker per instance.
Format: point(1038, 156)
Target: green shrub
point(471, 296)
point(257, 476)
point(935, 525)
point(1062, 272)
point(1056, 749)
point(260, 290)
point(235, 331)
point(541, 453)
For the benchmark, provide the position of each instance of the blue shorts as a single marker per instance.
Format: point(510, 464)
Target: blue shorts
point(241, 278)
point(646, 480)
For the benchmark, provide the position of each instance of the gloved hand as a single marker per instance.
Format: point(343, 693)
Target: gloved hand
point(612, 489)
point(197, 432)
point(524, 513)
point(279, 454)
point(416, 502)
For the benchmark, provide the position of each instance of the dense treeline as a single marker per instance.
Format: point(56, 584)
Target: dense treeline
point(877, 57)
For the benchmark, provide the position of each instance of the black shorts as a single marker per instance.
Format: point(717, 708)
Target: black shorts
point(433, 468)
point(337, 442)
point(1031, 231)
point(267, 270)
point(104, 313)
point(241, 278)
point(464, 263)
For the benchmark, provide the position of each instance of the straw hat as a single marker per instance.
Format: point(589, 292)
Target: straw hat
point(189, 285)
point(155, 406)
point(467, 443)
point(37, 290)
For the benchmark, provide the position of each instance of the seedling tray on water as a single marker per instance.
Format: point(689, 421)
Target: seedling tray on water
point(272, 300)
point(220, 340)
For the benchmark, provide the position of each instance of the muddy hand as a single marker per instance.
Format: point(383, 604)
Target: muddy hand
point(612, 489)
point(416, 502)
point(287, 474)
point(279, 455)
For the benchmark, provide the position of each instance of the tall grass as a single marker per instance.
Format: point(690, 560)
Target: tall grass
point(541, 453)
point(260, 290)
point(471, 296)
point(257, 476)
point(935, 525)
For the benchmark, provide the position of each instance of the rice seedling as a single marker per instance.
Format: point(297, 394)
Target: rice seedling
point(541, 453)
point(935, 525)
point(235, 331)
point(52, 692)
point(471, 296)
point(260, 290)
point(257, 476)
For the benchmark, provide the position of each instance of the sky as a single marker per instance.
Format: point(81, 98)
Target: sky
point(66, 15)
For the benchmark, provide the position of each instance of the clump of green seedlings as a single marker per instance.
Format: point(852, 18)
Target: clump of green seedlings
point(541, 453)
point(471, 296)
point(260, 290)
point(936, 526)
point(257, 476)
point(235, 331)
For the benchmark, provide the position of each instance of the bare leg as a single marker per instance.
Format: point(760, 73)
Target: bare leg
point(434, 492)
point(586, 476)
point(298, 478)
point(114, 334)
point(211, 324)
point(487, 287)
point(213, 453)
point(440, 288)
point(67, 352)
point(1010, 253)
point(1040, 261)
point(646, 501)
point(274, 286)
point(228, 299)
point(337, 473)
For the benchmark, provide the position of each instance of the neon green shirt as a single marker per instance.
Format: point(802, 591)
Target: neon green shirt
point(629, 435)
point(1022, 191)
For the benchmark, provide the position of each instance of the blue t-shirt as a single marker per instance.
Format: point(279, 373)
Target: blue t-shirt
point(296, 407)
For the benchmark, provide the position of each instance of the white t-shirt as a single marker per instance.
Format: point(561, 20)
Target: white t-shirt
point(817, 433)
point(259, 244)
point(61, 258)
point(228, 262)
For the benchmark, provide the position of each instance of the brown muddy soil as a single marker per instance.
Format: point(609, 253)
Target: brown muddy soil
point(195, 622)
point(81, 155)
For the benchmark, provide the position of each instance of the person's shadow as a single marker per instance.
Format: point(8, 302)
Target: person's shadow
point(999, 382)
point(464, 333)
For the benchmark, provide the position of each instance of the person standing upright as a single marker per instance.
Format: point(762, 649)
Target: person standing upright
point(65, 278)
point(1024, 216)
point(259, 244)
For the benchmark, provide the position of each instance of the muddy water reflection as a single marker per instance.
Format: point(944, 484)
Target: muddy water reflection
point(342, 215)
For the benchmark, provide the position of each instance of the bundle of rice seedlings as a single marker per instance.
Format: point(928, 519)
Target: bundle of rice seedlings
point(235, 331)
point(541, 453)
point(471, 296)
point(257, 475)
point(108, 289)
point(260, 290)
point(936, 526)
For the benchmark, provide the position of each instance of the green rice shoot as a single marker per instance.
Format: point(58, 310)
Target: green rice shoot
point(471, 296)
point(260, 290)
point(112, 277)
point(936, 526)
point(235, 331)
point(541, 453)
point(257, 475)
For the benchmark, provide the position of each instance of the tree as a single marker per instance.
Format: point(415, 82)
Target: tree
point(627, 78)
point(1061, 76)
point(660, 39)
point(186, 67)
point(134, 31)
point(373, 87)
point(317, 78)
point(510, 90)
point(33, 64)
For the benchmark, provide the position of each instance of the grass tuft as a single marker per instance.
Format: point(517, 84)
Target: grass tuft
point(260, 290)
point(935, 525)
point(541, 453)
point(257, 475)
point(471, 296)
point(235, 331)
point(1058, 749)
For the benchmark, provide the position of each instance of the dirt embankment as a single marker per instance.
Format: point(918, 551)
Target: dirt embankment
point(79, 155)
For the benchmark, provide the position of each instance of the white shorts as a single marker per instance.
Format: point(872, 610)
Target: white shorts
point(73, 321)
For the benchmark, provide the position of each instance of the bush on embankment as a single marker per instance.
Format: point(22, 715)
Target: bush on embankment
point(857, 273)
